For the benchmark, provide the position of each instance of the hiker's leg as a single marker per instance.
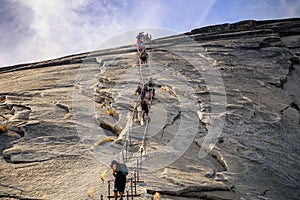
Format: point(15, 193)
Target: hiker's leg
point(116, 188)
point(116, 195)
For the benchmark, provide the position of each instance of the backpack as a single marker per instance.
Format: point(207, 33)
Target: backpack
point(150, 83)
point(146, 89)
point(122, 168)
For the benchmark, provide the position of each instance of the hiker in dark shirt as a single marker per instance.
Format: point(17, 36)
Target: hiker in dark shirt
point(143, 57)
point(138, 90)
point(120, 172)
point(145, 109)
point(151, 89)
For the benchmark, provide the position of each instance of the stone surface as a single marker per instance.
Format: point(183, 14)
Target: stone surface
point(239, 81)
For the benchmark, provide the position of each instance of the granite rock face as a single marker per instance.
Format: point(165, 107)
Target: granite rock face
point(225, 126)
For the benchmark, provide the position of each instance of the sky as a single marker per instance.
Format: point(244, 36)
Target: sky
point(35, 30)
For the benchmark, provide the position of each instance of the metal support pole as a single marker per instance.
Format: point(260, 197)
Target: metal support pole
point(138, 176)
point(108, 189)
point(131, 186)
point(127, 195)
point(141, 157)
point(134, 174)
point(122, 155)
point(145, 146)
point(135, 184)
point(130, 140)
point(137, 170)
point(126, 149)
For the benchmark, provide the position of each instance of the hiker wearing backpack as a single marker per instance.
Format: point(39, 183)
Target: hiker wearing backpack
point(144, 91)
point(145, 108)
point(143, 57)
point(151, 89)
point(120, 172)
point(138, 90)
point(141, 46)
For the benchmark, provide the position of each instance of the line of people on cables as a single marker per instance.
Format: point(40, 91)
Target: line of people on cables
point(142, 39)
point(120, 170)
point(147, 88)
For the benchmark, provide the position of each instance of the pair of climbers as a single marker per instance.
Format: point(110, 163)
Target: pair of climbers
point(142, 90)
point(146, 88)
point(141, 40)
point(142, 36)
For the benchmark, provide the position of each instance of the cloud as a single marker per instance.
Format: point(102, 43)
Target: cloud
point(14, 20)
point(291, 8)
point(35, 30)
point(224, 11)
point(273, 9)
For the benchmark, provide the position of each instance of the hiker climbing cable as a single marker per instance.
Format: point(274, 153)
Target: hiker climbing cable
point(145, 89)
point(151, 89)
point(141, 46)
point(150, 82)
point(148, 38)
point(141, 41)
point(145, 108)
point(132, 131)
point(120, 172)
point(140, 36)
point(138, 90)
point(143, 57)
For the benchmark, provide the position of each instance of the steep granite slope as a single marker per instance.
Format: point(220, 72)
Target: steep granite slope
point(236, 85)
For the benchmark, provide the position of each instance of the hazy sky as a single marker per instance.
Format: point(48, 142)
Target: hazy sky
point(33, 30)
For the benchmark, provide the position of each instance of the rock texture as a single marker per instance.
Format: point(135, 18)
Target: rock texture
point(54, 111)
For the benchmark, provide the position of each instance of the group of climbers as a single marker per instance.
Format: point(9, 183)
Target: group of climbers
point(147, 88)
point(141, 41)
point(120, 170)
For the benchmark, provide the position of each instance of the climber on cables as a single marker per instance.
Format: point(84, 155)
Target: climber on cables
point(140, 36)
point(145, 89)
point(141, 46)
point(145, 109)
point(144, 56)
point(141, 90)
point(151, 88)
point(138, 90)
point(120, 171)
point(147, 38)
point(140, 41)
